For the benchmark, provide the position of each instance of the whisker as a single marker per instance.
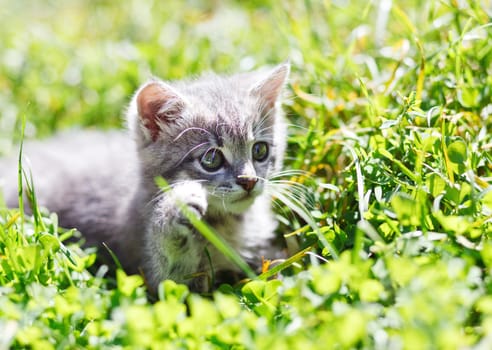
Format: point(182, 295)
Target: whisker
point(162, 191)
point(296, 126)
point(191, 150)
point(259, 127)
point(300, 194)
point(293, 187)
point(219, 126)
point(286, 211)
point(291, 172)
point(190, 129)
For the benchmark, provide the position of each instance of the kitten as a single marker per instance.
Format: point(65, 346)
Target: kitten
point(215, 141)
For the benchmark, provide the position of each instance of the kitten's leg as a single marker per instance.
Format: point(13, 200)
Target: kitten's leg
point(175, 248)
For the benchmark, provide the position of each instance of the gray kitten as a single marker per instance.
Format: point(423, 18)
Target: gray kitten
point(216, 141)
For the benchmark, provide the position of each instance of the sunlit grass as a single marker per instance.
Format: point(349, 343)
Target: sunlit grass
point(389, 164)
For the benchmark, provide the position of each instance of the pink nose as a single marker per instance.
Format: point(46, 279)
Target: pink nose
point(248, 183)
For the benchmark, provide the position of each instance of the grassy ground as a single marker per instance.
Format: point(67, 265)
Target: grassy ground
point(390, 111)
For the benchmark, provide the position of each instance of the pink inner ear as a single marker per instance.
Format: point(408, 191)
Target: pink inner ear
point(270, 89)
point(157, 105)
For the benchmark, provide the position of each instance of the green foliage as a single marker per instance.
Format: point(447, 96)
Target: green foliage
point(390, 113)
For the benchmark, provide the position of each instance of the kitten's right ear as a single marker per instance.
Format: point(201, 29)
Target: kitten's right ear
point(158, 104)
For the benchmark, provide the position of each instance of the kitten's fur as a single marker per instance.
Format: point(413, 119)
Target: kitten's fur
point(103, 185)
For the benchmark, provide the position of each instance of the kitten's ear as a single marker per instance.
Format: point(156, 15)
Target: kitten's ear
point(158, 104)
point(268, 89)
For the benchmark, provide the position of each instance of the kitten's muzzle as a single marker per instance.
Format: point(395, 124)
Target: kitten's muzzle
point(247, 182)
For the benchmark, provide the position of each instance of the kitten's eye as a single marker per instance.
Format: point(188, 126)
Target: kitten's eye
point(212, 160)
point(260, 151)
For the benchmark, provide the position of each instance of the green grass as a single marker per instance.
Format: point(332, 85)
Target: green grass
point(391, 118)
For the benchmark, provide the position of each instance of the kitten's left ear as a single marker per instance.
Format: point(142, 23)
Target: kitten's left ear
point(268, 89)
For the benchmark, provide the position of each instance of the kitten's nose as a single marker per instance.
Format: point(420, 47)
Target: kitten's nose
point(246, 182)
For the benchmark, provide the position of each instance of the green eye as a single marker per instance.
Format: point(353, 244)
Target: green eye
point(212, 160)
point(260, 151)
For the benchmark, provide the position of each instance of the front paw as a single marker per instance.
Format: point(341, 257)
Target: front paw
point(191, 200)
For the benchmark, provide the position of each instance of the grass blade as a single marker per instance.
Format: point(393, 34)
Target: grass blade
point(218, 242)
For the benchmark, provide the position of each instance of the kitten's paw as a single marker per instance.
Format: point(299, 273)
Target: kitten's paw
point(193, 197)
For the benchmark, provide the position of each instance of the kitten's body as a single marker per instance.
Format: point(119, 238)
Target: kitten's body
point(104, 186)
point(90, 179)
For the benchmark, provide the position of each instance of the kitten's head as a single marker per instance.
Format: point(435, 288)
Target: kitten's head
point(225, 132)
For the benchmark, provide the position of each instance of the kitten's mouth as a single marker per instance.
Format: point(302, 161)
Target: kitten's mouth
point(236, 204)
point(244, 197)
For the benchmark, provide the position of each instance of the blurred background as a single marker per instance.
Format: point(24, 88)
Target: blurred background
point(76, 63)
